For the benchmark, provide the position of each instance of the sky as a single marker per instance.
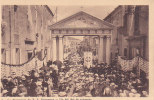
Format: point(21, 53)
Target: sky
point(65, 11)
point(98, 11)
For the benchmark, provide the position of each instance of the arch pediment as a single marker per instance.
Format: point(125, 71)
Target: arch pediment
point(81, 20)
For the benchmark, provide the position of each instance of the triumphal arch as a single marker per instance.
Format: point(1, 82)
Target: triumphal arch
point(82, 24)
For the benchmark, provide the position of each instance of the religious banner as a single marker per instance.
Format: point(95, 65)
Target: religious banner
point(127, 65)
point(88, 59)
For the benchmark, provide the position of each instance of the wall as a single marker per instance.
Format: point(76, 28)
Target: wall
point(26, 22)
point(132, 25)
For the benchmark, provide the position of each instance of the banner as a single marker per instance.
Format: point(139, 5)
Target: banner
point(127, 65)
point(88, 59)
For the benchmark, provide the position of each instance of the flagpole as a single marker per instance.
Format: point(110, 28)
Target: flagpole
point(56, 13)
point(10, 37)
point(36, 37)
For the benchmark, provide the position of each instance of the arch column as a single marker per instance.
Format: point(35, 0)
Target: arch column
point(108, 49)
point(61, 48)
point(54, 51)
point(101, 49)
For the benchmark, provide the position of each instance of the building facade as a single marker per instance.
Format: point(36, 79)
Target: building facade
point(132, 30)
point(82, 24)
point(24, 27)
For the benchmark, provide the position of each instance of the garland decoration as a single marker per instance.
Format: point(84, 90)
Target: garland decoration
point(35, 54)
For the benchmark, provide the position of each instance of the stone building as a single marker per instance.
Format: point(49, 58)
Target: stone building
point(132, 30)
point(23, 29)
point(83, 24)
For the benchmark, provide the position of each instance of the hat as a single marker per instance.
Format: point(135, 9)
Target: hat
point(122, 95)
point(107, 80)
point(38, 83)
point(112, 84)
point(126, 91)
point(23, 77)
point(116, 86)
point(13, 73)
point(137, 95)
point(120, 91)
point(66, 75)
point(62, 66)
point(102, 75)
point(50, 71)
point(61, 80)
point(133, 91)
point(36, 74)
point(75, 95)
point(144, 93)
point(62, 94)
point(14, 90)
point(96, 74)
point(90, 79)
point(27, 74)
point(131, 94)
point(4, 91)
point(138, 81)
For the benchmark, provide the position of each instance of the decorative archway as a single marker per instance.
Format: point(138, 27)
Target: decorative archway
point(82, 24)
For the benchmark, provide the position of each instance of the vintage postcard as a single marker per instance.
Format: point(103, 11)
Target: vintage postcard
point(76, 51)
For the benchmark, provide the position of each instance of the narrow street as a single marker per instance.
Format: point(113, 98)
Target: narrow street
point(75, 51)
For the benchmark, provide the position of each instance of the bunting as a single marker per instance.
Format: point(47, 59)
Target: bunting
point(7, 69)
point(128, 65)
point(144, 65)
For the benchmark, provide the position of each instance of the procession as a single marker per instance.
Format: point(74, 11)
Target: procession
point(78, 56)
point(66, 80)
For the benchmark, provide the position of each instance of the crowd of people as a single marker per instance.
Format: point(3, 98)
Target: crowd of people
point(72, 79)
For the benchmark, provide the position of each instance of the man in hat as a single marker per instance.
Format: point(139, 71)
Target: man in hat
point(32, 88)
point(54, 75)
point(21, 91)
point(10, 85)
point(28, 86)
point(107, 92)
point(39, 91)
point(4, 93)
point(4, 82)
point(144, 94)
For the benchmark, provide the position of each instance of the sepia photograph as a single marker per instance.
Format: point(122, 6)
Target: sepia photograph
point(74, 51)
